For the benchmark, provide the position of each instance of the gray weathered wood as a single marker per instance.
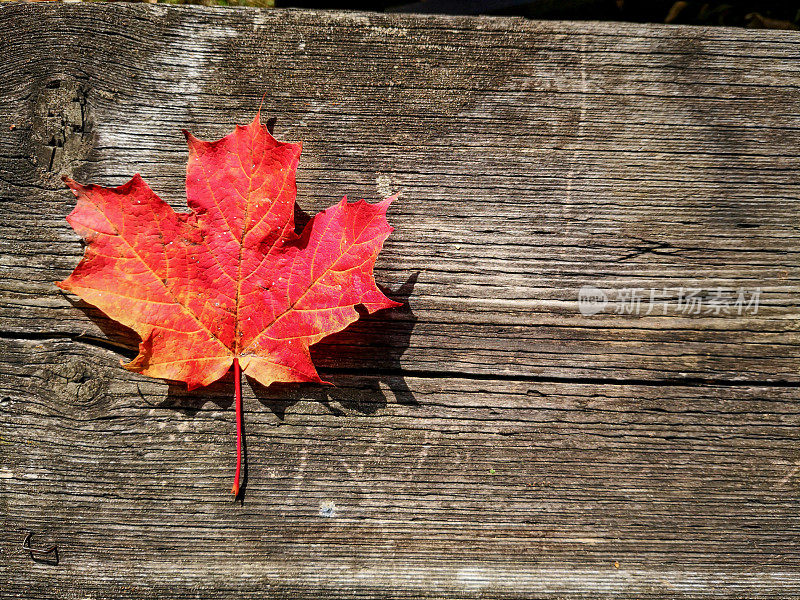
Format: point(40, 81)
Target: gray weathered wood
point(486, 441)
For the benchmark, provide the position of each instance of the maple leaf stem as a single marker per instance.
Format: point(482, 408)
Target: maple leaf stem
point(237, 382)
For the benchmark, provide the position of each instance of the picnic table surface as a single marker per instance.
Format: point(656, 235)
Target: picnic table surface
point(489, 439)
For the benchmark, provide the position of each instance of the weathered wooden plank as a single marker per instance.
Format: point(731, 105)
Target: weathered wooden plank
point(448, 488)
point(533, 158)
point(487, 441)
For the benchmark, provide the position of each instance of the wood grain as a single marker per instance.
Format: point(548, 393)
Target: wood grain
point(487, 440)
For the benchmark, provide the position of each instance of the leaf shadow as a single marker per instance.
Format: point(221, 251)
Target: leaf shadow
point(189, 402)
point(356, 361)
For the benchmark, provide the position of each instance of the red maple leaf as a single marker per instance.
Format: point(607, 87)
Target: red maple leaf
point(229, 283)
